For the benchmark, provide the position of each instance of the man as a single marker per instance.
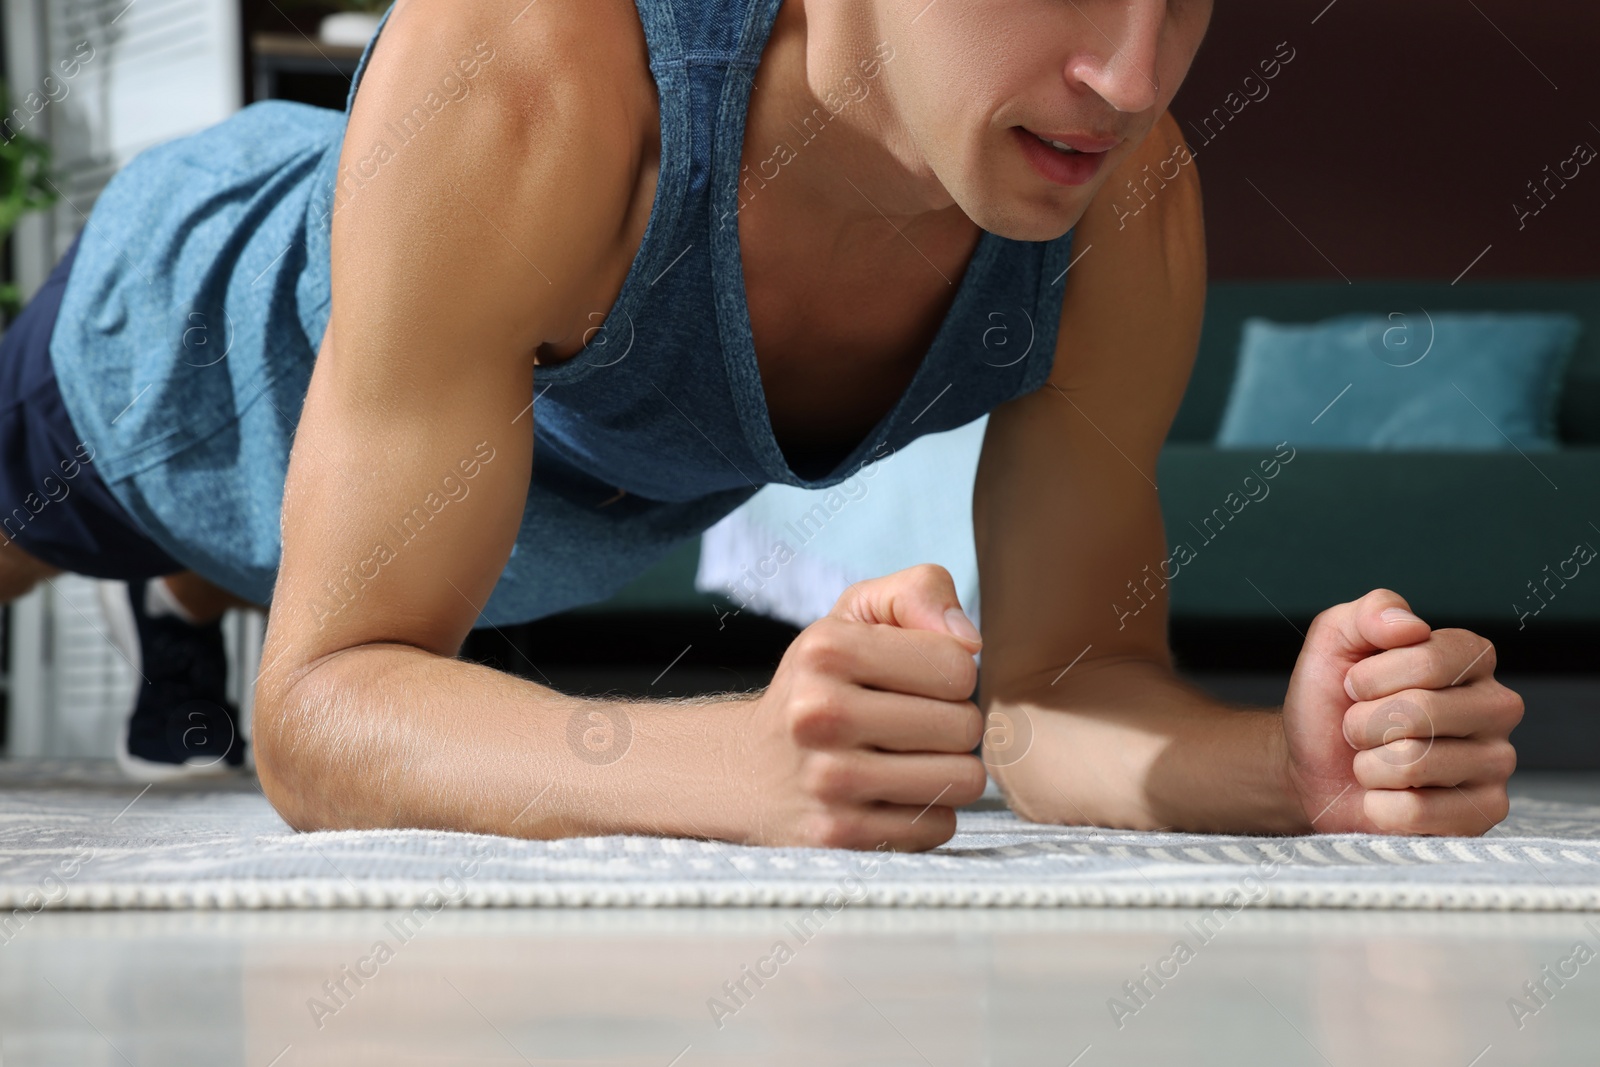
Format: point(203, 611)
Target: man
point(799, 215)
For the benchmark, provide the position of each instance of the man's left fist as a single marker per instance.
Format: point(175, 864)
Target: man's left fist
point(1394, 728)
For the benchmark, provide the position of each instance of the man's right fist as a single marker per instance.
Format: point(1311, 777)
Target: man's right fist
point(865, 736)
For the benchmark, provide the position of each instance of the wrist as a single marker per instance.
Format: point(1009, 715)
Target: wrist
point(1296, 819)
point(692, 774)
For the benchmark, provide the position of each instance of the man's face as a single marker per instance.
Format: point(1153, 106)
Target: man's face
point(975, 83)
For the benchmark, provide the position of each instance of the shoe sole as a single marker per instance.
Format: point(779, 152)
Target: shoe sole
point(143, 770)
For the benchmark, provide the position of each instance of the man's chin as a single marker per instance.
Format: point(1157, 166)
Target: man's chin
point(1021, 221)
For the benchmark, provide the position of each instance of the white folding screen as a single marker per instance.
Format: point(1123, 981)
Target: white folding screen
point(71, 688)
point(99, 81)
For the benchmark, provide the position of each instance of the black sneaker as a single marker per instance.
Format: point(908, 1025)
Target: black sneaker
point(183, 724)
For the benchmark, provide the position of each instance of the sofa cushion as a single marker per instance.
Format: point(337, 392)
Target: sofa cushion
point(1230, 303)
point(1475, 381)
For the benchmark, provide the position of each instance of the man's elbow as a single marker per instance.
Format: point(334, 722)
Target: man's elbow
point(279, 767)
point(283, 733)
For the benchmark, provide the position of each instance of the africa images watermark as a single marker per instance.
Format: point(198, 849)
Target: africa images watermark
point(50, 91)
point(1140, 991)
point(1544, 190)
point(52, 889)
point(1185, 553)
point(348, 587)
point(1539, 992)
point(55, 490)
point(801, 530)
point(1583, 553)
point(340, 990)
point(737, 993)
point(1253, 90)
point(855, 90)
point(454, 87)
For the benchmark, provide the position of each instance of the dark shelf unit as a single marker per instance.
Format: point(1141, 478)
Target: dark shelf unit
point(289, 66)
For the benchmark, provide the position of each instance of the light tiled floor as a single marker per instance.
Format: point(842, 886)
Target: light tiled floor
point(866, 987)
point(934, 988)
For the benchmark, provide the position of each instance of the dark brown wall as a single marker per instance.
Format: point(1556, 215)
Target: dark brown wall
point(1399, 138)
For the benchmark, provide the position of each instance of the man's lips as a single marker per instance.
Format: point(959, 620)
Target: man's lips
point(1079, 142)
point(1070, 168)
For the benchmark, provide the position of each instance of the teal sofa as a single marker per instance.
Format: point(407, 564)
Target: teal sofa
point(1465, 537)
point(1460, 535)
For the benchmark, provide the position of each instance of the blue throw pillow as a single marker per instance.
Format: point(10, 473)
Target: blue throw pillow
point(1442, 381)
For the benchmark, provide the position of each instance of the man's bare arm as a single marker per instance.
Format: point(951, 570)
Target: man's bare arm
point(475, 242)
point(449, 268)
point(1088, 722)
point(1066, 513)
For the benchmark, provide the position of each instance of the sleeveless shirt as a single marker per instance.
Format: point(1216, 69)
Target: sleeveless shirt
point(193, 314)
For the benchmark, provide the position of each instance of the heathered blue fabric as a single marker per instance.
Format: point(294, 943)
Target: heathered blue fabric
point(219, 243)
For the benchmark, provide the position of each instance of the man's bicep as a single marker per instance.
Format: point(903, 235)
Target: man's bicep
point(450, 264)
point(1067, 518)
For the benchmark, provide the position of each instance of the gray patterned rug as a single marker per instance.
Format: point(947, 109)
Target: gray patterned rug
point(72, 836)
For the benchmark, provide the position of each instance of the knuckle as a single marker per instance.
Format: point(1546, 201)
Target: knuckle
point(1323, 620)
point(822, 648)
point(1514, 706)
point(954, 680)
point(836, 829)
point(829, 778)
point(1502, 759)
point(1426, 704)
point(1473, 648)
point(817, 718)
point(1497, 805)
point(1409, 811)
point(1409, 754)
point(1437, 663)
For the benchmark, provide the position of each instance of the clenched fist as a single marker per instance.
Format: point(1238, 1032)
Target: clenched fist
point(865, 735)
point(1396, 728)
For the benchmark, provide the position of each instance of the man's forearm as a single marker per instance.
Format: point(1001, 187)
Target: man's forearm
point(393, 736)
point(1131, 745)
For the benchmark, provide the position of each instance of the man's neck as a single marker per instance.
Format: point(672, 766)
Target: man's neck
point(852, 164)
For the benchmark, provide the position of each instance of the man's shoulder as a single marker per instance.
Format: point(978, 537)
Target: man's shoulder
point(1152, 203)
point(533, 122)
point(1133, 306)
point(541, 61)
point(1143, 237)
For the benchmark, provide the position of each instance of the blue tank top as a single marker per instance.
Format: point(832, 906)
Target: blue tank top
point(192, 318)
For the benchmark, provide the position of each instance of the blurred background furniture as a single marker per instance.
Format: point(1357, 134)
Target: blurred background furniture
point(287, 66)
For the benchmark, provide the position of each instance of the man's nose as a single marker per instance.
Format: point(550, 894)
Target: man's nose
point(1118, 59)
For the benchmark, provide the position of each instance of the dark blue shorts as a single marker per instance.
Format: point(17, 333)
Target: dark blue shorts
point(52, 502)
